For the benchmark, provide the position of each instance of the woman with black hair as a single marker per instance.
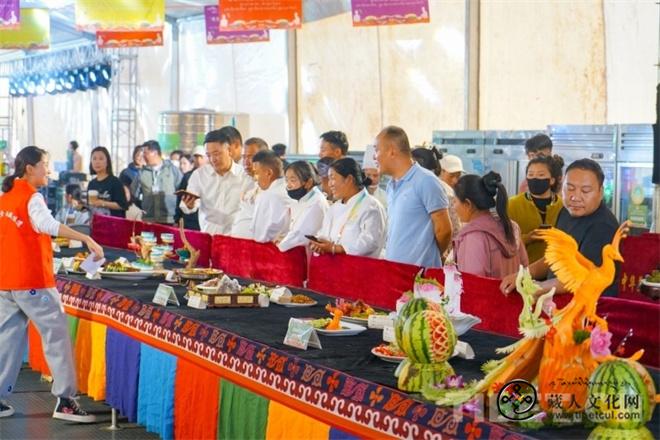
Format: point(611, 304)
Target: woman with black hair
point(74, 211)
point(489, 244)
point(355, 223)
point(27, 284)
point(105, 193)
point(539, 206)
point(308, 213)
point(428, 158)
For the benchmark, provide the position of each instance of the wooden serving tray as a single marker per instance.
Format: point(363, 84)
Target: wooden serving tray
point(221, 300)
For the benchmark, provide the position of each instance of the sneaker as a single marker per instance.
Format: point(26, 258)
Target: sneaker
point(5, 409)
point(68, 409)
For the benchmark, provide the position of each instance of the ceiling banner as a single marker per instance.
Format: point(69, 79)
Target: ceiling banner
point(120, 16)
point(111, 39)
point(236, 15)
point(10, 13)
point(33, 33)
point(387, 12)
point(215, 36)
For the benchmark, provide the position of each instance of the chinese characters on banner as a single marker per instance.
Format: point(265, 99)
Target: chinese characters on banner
point(379, 12)
point(215, 36)
point(33, 33)
point(238, 15)
point(129, 39)
point(10, 14)
point(123, 16)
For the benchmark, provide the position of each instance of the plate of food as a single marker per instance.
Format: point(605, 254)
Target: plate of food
point(346, 328)
point(209, 286)
point(299, 300)
point(198, 273)
point(256, 289)
point(652, 280)
point(388, 353)
point(76, 261)
point(120, 270)
point(357, 312)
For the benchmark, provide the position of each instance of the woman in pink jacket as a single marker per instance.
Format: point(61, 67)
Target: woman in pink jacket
point(489, 244)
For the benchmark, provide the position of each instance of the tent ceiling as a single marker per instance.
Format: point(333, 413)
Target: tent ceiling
point(64, 33)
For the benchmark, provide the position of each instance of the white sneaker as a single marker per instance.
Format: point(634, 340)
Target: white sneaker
point(68, 409)
point(6, 410)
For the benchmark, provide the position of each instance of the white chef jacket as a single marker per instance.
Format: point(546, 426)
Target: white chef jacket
point(242, 226)
point(220, 196)
point(306, 219)
point(272, 213)
point(381, 196)
point(360, 231)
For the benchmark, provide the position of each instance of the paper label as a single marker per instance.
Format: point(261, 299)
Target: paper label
point(280, 295)
point(75, 244)
point(388, 334)
point(196, 302)
point(90, 266)
point(165, 295)
point(301, 334)
point(170, 276)
point(242, 299)
point(57, 265)
point(379, 321)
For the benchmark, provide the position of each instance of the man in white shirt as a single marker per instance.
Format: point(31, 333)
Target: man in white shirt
point(216, 187)
point(235, 142)
point(241, 228)
point(272, 210)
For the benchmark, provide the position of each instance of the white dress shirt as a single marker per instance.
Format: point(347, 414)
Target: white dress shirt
point(380, 195)
point(272, 213)
point(242, 226)
point(361, 230)
point(306, 219)
point(220, 196)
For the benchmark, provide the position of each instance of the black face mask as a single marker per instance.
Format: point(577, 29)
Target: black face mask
point(297, 194)
point(538, 186)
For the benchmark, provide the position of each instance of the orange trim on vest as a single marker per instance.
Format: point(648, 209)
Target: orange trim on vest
point(26, 256)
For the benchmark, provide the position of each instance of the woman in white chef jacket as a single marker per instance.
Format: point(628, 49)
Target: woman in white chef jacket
point(355, 223)
point(306, 215)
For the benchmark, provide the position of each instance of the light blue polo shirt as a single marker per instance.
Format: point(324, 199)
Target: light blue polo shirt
point(411, 200)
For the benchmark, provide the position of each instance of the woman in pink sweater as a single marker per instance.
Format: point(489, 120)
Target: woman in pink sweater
point(489, 244)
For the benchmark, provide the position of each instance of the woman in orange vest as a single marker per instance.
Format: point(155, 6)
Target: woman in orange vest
point(27, 284)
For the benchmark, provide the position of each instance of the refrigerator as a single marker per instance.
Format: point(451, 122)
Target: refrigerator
point(468, 145)
point(504, 150)
point(634, 168)
point(597, 142)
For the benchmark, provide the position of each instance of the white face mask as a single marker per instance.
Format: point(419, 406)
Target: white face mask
point(175, 163)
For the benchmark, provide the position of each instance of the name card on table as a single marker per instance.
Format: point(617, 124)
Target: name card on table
point(379, 321)
point(280, 295)
point(165, 295)
point(388, 334)
point(301, 334)
point(75, 244)
point(92, 267)
point(196, 302)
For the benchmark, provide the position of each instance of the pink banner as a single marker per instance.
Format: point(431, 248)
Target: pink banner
point(240, 15)
point(215, 36)
point(386, 12)
point(9, 14)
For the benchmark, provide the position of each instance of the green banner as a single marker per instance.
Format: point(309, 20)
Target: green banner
point(169, 142)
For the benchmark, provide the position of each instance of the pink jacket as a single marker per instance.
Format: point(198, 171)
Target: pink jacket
point(480, 248)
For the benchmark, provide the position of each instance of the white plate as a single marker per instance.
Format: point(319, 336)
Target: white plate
point(650, 284)
point(360, 321)
point(463, 322)
point(347, 329)
point(127, 275)
point(290, 304)
point(386, 358)
point(207, 289)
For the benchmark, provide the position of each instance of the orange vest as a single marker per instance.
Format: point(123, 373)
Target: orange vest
point(26, 256)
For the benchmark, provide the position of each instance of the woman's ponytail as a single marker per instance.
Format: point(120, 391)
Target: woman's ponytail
point(492, 182)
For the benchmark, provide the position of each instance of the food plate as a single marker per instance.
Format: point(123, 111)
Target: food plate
point(128, 275)
point(387, 358)
point(290, 304)
point(352, 320)
point(207, 289)
point(650, 284)
point(347, 329)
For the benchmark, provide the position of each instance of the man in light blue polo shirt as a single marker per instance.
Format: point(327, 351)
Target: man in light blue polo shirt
point(418, 228)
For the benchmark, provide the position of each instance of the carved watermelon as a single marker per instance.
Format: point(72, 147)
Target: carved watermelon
point(428, 337)
point(619, 396)
point(604, 433)
point(410, 308)
point(414, 377)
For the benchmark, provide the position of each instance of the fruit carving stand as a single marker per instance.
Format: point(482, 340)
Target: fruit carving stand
point(185, 373)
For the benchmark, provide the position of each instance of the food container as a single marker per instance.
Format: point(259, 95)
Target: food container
point(197, 274)
point(220, 300)
point(167, 238)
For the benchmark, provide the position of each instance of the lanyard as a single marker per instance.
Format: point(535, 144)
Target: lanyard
point(351, 215)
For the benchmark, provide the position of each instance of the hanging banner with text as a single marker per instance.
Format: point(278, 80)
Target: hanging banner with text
point(129, 39)
point(388, 12)
point(122, 16)
point(10, 14)
point(215, 36)
point(239, 15)
point(33, 33)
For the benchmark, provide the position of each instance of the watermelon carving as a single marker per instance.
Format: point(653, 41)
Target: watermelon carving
point(619, 396)
point(410, 308)
point(428, 339)
point(605, 433)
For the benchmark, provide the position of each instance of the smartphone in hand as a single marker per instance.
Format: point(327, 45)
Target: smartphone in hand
point(312, 238)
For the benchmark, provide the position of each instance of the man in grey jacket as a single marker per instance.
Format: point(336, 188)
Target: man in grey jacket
point(155, 185)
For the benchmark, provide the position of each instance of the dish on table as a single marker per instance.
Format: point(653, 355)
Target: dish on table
point(299, 300)
point(198, 273)
point(139, 275)
point(347, 328)
point(388, 353)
